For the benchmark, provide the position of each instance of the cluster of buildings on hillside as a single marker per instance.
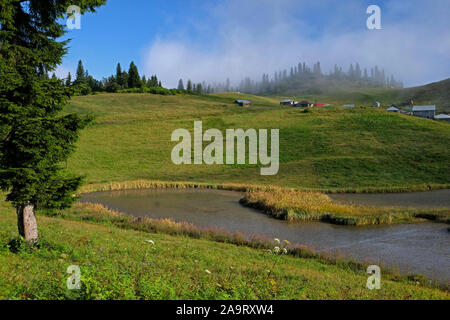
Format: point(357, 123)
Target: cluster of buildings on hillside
point(302, 104)
point(243, 103)
point(427, 112)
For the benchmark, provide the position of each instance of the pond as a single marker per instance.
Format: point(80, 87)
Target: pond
point(428, 199)
point(415, 248)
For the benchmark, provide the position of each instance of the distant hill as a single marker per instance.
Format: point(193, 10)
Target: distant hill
point(437, 93)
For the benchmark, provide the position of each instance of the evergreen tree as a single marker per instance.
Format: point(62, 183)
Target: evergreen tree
point(35, 137)
point(351, 72)
point(366, 76)
point(120, 79)
point(153, 81)
point(111, 85)
point(80, 74)
point(316, 69)
point(180, 84)
point(189, 85)
point(134, 81)
point(125, 79)
point(199, 88)
point(357, 72)
point(69, 80)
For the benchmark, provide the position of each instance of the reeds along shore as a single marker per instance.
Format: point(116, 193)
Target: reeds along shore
point(149, 184)
point(293, 205)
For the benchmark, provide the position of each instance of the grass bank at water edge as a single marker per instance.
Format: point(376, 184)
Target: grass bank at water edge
point(124, 258)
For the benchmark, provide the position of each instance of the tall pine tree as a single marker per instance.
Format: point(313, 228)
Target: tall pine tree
point(134, 81)
point(69, 80)
point(35, 138)
point(80, 74)
point(120, 76)
point(180, 84)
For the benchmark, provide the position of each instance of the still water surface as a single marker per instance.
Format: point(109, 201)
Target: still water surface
point(416, 248)
point(429, 199)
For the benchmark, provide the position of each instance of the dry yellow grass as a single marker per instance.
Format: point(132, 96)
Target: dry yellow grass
point(295, 205)
point(149, 184)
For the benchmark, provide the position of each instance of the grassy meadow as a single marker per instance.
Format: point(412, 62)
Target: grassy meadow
point(120, 259)
point(331, 148)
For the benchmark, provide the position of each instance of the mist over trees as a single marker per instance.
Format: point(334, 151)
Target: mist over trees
point(309, 79)
point(297, 79)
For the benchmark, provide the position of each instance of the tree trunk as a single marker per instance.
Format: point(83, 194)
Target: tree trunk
point(26, 222)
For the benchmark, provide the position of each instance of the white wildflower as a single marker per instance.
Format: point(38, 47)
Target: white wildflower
point(285, 251)
point(277, 241)
point(276, 249)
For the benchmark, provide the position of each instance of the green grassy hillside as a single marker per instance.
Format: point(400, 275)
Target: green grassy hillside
point(327, 148)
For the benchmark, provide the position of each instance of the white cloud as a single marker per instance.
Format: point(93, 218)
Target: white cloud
point(255, 37)
point(63, 70)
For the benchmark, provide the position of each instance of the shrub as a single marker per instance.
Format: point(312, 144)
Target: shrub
point(112, 87)
point(82, 89)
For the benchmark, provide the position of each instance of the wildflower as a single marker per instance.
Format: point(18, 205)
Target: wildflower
point(150, 241)
point(268, 271)
point(269, 251)
point(286, 242)
point(276, 249)
point(207, 271)
point(277, 241)
point(285, 251)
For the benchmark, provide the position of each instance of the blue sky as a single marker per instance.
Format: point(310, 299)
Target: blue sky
point(214, 40)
